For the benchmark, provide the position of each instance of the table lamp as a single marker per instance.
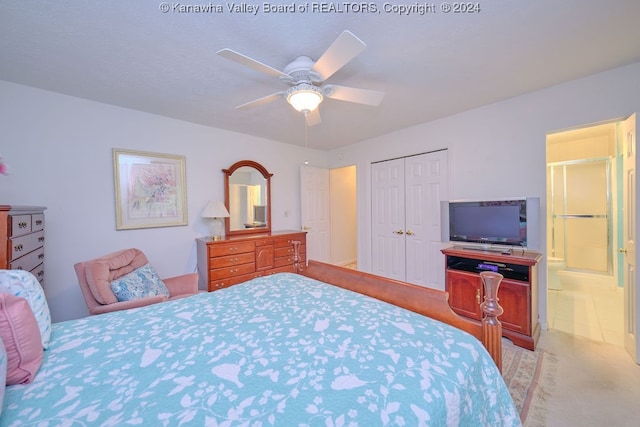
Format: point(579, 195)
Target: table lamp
point(215, 211)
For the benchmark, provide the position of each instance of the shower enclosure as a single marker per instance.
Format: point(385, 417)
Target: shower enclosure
point(581, 215)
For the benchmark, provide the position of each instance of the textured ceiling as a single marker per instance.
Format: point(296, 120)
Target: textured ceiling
point(133, 54)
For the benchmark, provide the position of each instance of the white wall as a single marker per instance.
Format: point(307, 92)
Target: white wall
point(58, 149)
point(497, 150)
point(343, 215)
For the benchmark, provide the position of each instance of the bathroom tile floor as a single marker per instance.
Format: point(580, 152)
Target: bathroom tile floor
point(592, 311)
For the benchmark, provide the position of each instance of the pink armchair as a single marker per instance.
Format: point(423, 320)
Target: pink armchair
point(95, 276)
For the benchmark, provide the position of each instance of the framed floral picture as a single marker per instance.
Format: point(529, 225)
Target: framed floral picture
point(150, 189)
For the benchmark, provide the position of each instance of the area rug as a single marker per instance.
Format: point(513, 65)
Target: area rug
point(530, 378)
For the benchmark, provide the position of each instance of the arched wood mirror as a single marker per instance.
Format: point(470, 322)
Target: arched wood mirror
point(247, 196)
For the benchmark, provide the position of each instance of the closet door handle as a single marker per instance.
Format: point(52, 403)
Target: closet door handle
point(410, 233)
point(398, 232)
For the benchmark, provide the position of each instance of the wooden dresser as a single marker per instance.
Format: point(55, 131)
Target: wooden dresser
point(22, 239)
point(236, 259)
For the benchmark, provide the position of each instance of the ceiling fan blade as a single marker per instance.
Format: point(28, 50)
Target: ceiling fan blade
point(342, 50)
point(261, 101)
point(351, 94)
point(250, 62)
point(313, 118)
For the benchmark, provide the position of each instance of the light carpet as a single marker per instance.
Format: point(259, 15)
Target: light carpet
point(530, 378)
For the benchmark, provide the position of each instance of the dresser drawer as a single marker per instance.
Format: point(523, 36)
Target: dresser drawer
point(231, 260)
point(285, 251)
point(282, 243)
point(289, 251)
point(237, 270)
point(39, 273)
point(29, 261)
point(22, 245)
point(20, 224)
point(230, 249)
point(225, 283)
point(37, 222)
point(282, 261)
point(264, 242)
point(284, 269)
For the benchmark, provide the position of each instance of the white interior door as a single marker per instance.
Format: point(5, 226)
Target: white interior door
point(426, 182)
point(630, 209)
point(315, 212)
point(406, 195)
point(387, 219)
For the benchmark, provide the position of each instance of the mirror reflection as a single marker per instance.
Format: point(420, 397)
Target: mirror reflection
point(247, 199)
point(247, 196)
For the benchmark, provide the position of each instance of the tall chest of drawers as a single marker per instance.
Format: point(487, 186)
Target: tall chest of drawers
point(233, 260)
point(22, 239)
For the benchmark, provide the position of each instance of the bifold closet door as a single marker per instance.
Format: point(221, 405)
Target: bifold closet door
point(406, 195)
point(387, 219)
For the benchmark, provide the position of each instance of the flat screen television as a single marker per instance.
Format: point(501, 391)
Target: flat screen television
point(260, 214)
point(485, 223)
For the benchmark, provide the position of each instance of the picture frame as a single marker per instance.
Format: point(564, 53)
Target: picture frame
point(150, 189)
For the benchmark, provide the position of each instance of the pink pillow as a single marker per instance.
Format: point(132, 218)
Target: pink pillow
point(21, 337)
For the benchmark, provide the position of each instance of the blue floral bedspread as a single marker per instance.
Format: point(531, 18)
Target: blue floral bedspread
point(281, 350)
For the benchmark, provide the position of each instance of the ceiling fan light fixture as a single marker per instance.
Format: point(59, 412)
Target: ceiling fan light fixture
point(304, 97)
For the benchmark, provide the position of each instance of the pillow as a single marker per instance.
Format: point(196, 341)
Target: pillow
point(21, 337)
point(3, 373)
point(140, 283)
point(24, 284)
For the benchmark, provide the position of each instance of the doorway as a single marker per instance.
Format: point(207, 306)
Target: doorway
point(585, 294)
point(329, 214)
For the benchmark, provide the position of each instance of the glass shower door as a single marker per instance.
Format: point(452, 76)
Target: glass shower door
point(581, 214)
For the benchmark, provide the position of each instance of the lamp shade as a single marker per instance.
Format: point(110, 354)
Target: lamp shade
point(304, 97)
point(215, 210)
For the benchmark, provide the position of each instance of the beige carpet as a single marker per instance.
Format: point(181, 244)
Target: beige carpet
point(529, 375)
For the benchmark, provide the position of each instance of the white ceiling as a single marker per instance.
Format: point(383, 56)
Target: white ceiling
point(129, 53)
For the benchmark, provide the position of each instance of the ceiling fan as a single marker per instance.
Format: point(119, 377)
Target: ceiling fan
point(306, 78)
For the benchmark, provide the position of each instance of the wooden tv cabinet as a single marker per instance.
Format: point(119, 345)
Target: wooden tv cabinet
point(518, 292)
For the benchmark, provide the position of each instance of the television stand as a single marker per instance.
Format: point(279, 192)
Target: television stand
point(518, 291)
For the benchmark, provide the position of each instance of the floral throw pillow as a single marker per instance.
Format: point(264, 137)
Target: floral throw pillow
point(140, 283)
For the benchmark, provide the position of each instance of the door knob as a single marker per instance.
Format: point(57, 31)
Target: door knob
point(622, 250)
point(306, 228)
point(410, 233)
point(398, 232)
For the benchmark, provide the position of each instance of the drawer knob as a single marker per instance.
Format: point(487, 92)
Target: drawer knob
point(22, 224)
point(17, 248)
point(41, 239)
point(39, 222)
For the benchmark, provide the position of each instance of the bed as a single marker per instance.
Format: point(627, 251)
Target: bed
point(283, 350)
